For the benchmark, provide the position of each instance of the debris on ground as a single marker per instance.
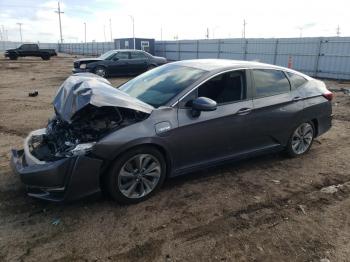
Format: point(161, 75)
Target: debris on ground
point(244, 216)
point(276, 181)
point(330, 189)
point(302, 208)
point(56, 222)
point(346, 91)
point(34, 93)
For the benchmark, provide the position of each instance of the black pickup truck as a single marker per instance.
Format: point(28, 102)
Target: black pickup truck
point(30, 50)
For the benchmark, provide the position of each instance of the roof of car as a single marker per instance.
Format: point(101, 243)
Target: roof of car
point(127, 50)
point(216, 64)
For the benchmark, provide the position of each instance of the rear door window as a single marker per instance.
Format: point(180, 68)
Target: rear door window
point(296, 80)
point(137, 55)
point(270, 82)
point(122, 55)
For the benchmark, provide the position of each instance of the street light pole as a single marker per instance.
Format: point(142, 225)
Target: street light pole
point(133, 30)
point(20, 30)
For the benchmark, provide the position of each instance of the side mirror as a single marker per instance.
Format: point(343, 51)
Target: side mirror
point(202, 104)
point(115, 58)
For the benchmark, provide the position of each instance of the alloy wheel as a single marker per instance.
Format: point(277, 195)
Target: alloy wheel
point(100, 72)
point(302, 138)
point(139, 176)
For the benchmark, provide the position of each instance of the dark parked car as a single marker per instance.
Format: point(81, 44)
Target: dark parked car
point(119, 62)
point(30, 50)
point(173, 119)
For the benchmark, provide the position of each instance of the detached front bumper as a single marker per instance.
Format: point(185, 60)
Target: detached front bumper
point(62, 180)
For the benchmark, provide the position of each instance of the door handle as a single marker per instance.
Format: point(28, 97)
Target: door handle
point(244, 111)
point(297, 98)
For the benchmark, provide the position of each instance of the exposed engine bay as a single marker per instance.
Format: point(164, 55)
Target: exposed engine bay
point(87, 108)
point(89, 125)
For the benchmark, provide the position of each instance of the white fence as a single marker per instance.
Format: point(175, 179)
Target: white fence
point(324, 57)
point(327, 57)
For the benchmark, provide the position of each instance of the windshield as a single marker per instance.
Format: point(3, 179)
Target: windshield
point(160, 85)
point(106, 55)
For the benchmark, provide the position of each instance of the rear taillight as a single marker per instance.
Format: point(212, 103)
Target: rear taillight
point(328, 95)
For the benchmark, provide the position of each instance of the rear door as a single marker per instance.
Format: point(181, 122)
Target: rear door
point(138, 62)
point(277, 107)
point(219, 134)
point(119, 63)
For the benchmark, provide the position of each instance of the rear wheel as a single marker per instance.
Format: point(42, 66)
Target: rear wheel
point(45, 57)
point(100, 71)
point(301, 140)
point(136, 175)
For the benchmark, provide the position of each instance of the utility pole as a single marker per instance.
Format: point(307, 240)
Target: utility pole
point(110, 28)
point(207, 33)
point(300, 31)
point(2, 33)
point(338, 31)
point(85, 32)
point(59, 20)
point(244, 26)
point(20, 30)
point(104, 32)
point(133, 30)
point(161, 33)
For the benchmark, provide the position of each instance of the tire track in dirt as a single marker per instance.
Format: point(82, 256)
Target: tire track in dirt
point(15, 132)
point(270, 213)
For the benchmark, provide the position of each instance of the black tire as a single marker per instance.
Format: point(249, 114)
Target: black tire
point(13, 57)
point(290, 150)
point(101, 71)
point(45, 58)
point(150, 67)
point(111, 180)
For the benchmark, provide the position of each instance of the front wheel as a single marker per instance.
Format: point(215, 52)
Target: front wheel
point(100, 71)
point(301, 140)
point(136, 175)
point(13, 57)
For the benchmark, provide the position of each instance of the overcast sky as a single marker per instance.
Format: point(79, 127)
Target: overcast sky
point(183, 18)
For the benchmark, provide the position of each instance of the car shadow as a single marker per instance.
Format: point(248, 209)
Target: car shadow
point(238, 165)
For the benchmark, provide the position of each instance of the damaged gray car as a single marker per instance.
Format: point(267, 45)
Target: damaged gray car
point(171, 120)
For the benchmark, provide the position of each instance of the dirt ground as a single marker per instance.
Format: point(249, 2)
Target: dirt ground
point(269, 208)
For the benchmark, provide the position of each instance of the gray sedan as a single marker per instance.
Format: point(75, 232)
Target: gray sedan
point(171, 120)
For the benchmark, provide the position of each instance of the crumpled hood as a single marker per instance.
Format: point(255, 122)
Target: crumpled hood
point(82, 89)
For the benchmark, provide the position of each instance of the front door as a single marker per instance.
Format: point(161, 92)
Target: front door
point(119, 64)
point(220, 134)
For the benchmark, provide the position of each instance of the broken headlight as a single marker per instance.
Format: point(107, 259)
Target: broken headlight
point(82, 149)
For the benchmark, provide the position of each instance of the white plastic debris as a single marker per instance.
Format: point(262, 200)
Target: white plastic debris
point(330, 189)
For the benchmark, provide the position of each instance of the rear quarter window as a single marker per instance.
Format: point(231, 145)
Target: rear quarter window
point(270, 82)
point(296, 80)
